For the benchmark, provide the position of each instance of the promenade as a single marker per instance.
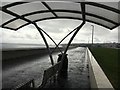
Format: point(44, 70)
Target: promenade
point(33, 69)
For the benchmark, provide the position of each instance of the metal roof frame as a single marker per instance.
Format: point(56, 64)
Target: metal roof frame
point(53, 11)
point(5, 9)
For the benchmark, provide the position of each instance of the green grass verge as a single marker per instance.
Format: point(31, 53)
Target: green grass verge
point(108, 59)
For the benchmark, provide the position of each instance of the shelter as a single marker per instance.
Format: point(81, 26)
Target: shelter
point(16, 15)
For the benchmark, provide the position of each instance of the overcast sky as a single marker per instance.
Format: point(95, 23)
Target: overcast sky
point(57, 29)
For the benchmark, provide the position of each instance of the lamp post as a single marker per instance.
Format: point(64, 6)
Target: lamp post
point(92, 33)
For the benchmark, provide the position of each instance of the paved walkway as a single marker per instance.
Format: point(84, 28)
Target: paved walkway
point(77, 71)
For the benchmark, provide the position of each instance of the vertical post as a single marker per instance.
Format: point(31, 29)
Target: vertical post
point(63, 71)
point(92, 33)
point(73, 36)
point(77, 29)
point(57, 46)
point(64, 54)
point(64, 38)
point(39, 29)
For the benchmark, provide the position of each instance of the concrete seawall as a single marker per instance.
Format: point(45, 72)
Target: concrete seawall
point(98, 79)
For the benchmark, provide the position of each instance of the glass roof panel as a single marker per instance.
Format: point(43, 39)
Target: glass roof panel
point(108, 24)
point(39, 16)
point(102, 12)
point(62, 7)
point(6, 17)
point(65, 5)
point(27, 8)
point(16, 24)
point(5, 3)
point(111, 4)
point(67, 14)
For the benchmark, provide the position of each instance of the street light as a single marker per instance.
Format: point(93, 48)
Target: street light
point(92, 33)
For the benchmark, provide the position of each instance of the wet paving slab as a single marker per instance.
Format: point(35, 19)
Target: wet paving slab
point(77, 71)
point(78, 76)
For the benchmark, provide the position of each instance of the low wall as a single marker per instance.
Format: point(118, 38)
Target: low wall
point(98, 79)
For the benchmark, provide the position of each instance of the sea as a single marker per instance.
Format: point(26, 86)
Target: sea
point(21, 46)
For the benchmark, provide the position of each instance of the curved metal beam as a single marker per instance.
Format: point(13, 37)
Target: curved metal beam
point(89, 3)
point(71, 11)
point(47, 6)
point(4, 8)
point(64, 38)
point(13, 4)
point(77, 29)
point(30, 22)
point(103, 6)
point(74, 18)
point(53, 41)
point(62, 18)
point(38, 28)
point(45, 41)
point(74, 34)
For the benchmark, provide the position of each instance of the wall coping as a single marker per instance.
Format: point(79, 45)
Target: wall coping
point(98, 79)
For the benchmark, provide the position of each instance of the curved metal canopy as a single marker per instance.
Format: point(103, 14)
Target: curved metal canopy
point(19, 14)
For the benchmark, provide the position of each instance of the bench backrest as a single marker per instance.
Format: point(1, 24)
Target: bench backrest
point(50, 72)
point(28, 84)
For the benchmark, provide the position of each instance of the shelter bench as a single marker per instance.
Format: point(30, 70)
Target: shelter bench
point(49, 74)
point(28, 84)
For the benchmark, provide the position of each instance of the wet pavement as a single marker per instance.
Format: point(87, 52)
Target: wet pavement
point(77, 71)
point(78, 76)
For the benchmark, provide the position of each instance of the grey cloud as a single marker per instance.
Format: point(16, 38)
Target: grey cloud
point(31, 26)
point(57, 26)
point(97, 40)
point(28, 36)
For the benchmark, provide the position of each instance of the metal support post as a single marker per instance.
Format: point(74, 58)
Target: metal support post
point(64, 38)
point(73, 36)
point(53, 42)
point(78, 28)
point(63, 71)
point(64, 54)
point(39, 29)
